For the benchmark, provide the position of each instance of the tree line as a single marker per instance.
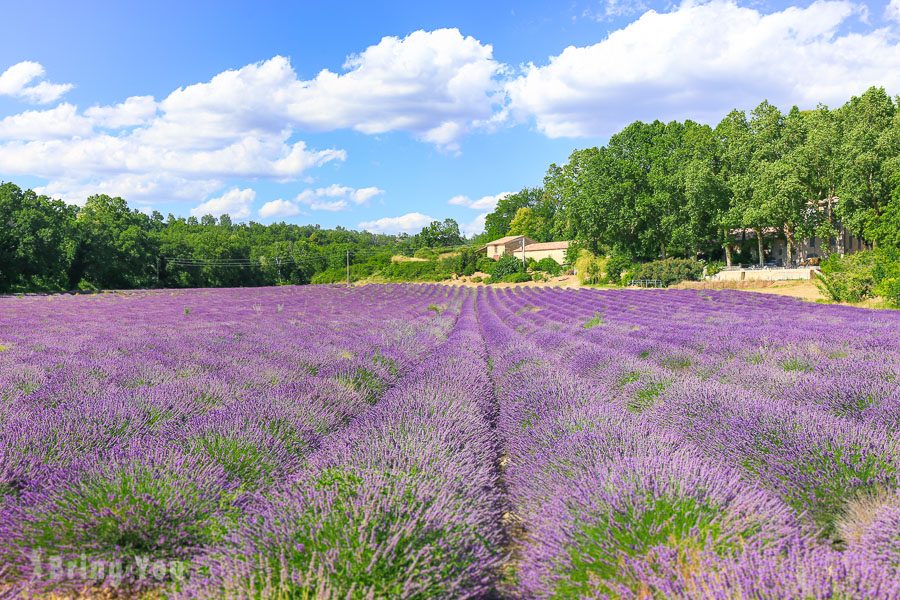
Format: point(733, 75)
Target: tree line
point(48, 245)
point(659, 190)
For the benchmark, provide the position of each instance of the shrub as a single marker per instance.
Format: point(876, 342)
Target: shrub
point(590, 268)
point(426, 253)
point(670, 270)
point(855, 277)
point(516, 278)
point(507, 265)
point(415, 271)
point(848, 278)
point(889, 289)
point(476, 279)
point(485, 265)
point(617, 264)
point(714, 267)
point(548, 265)
point(339, 274)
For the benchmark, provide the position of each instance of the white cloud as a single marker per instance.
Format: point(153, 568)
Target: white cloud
point(434, 84)
point(701, 60)
point(136, 110)
point(279, 208)
point(243, 123)
point(236, 203)
point(892, 11)
point(17, 81)
point(60, 122)
point(337, 197)
point(475, 226)
point(134, 188)
point(484, 203)
point(409, 223)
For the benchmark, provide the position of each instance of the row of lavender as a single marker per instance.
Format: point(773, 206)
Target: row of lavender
point(138, 427)
point(642, 458)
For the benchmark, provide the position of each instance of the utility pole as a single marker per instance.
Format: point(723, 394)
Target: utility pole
point(523, 252)
point(348, 268)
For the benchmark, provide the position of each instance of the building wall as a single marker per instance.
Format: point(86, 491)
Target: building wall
point(765, 274)
point(557, 255)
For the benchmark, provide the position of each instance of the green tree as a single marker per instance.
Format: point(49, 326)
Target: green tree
point(528, 223)
point(869, 149)
point(37, 241)
point(441, 234)
point(117, 250)
point(497, 222)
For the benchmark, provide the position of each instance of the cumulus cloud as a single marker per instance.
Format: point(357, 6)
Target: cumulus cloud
point(702, 59)
point(337, 197)
point(236, 203)
point(145, 188)
point(136, 110)
point(892, 12)
point(409, 223)
point(279, 208)
point(435, 84)
point(60, 122)
point(475, 226)
point(18, 81)
point(242, 123)
point(487, 203)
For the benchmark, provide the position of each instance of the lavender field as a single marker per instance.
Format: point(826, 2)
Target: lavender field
point(427, 441)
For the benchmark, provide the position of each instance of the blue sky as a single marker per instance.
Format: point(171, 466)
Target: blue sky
point(383, 117)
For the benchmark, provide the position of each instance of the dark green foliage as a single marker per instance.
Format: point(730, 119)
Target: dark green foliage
point(617, 264)
point(670, 270)
point(548, 265)
point(515, 278)
point(507, 265)
point(38, 241)
point(861, 275)
point(440, 234)
point(484, 264)
point(659, 190)
point(414, 271)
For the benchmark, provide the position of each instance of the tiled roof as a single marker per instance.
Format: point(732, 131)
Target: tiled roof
point(504, 240)
point(548, 246)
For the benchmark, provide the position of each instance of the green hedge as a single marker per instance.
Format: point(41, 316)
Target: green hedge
point(414, 271)
point(670, 270)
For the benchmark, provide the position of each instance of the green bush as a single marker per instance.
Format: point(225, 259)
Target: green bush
point(714, 267)
point(339, 274)
point(889, 289)
point(617, 264)
point(591, 269)
point(849, 278)
point(415, 271)
point(670, 270)
point(548, 265)
point(520, 277)
point(507, 265)
point(426, 253)
point(476, 279)
point(485, 265)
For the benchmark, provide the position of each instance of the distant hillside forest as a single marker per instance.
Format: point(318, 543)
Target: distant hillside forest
point(656, 190)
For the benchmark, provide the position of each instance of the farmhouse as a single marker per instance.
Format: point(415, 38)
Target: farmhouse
point(554, 250)
point(523, 246)
point(775, 246)
point(511, 244)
